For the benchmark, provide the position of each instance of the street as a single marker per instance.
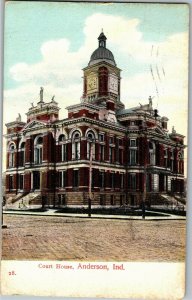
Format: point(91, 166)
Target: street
point(64, 238)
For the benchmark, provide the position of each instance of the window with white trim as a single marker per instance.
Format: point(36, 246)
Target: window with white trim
point(76, 145)
point(21, 181)
point(133, 152)
point(11, 155)
point(22, 155)
point(62, 179)
point(90, 145)
point(62, 142)
point(38, 151)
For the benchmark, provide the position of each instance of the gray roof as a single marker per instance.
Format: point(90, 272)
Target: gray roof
point(102, 54)
point(127, 111)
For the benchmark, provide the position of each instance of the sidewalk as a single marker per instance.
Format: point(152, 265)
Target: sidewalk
point(55, 213)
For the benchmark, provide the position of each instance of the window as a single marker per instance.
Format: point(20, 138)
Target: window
point(171, 160)
point(61, 138)
point(101, 152)
point(152, 156)
point(62, 142)
point(63, 152)
point(102, 179)
point(101, 137)
point(133, 152)
point(133, 156)
point(111, 140)
point(75, 178)
point(11, 155)
point(121, 156)
point(132, 143)
point(21, 181)
point(22, 155)
point(117, 150)
point(62, 179)
point(165, 158)
point(90, 145)
point(38, 151)
point(180, 162)
point(76, 145)
point(111, 154)
point(112, 181)
point(132, 183)
point(121, 181)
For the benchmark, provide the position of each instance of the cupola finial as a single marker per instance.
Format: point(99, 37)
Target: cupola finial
point(102, 39)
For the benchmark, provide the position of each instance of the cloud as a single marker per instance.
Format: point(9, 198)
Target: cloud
point(60, 70)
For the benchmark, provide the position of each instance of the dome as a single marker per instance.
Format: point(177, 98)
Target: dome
point(102, 53)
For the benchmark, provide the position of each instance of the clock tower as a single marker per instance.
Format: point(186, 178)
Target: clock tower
point(102, 77)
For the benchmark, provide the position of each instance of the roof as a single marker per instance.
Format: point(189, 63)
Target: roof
point(127, 111)
point(102, 53)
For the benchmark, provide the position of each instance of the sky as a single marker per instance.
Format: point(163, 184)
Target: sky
point(48, 44)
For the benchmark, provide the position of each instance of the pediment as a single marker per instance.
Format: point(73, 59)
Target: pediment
point(159, 130)
point(34, 124)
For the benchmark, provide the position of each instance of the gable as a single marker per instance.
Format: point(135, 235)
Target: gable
point(34, 124)
point(159, 130)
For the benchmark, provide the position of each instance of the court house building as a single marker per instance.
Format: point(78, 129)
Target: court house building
point(102, 150)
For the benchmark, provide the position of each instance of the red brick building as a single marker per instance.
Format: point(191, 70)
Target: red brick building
point(102, 150)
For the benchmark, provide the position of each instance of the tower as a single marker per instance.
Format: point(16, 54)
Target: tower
point(102, 77)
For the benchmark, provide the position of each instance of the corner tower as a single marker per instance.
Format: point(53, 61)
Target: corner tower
point(102, 77)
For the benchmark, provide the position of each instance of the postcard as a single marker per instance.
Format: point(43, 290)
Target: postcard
point(95, 149)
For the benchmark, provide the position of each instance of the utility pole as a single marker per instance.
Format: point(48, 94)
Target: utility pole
point(3, 203)
point(90, 176)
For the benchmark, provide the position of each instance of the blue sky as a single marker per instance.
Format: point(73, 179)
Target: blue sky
point(28, 25)
point(48, 44)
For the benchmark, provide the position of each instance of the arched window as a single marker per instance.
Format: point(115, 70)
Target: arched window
point(22, 154)
point(62, 142)
point(152, 157)
point(11, 150)
point(38, 150)
point(76, 145)
point(90, 145)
